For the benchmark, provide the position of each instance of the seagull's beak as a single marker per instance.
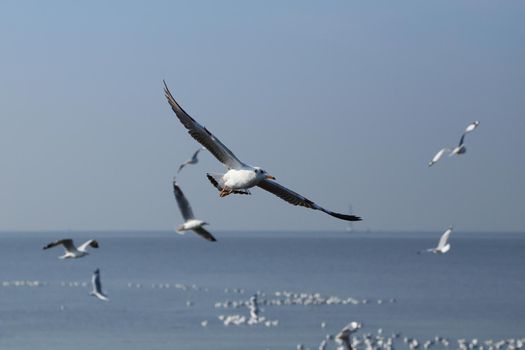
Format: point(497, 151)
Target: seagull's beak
point(270, 177)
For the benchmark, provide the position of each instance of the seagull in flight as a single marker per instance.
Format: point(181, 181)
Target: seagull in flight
point(240, 177)
point(190, 223)
point(343, 337)
point(72, 252)
point(97, 286)
point(192, 160)
point(443, 245)
point(460, 149)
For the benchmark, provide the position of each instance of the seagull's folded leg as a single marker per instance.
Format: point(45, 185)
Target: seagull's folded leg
point(225, 192)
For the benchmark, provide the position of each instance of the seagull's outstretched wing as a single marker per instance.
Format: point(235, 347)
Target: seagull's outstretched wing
point(183, 203)
point(91, 243)
point(444, 238)
point(97, 286)
point(296, 199)
point(67, 243)
point(203, 136)
point(182, 166)
point(204, 234)
point(194, 158)
point(438, 156)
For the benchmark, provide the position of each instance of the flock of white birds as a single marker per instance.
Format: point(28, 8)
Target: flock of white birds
point(239, 178)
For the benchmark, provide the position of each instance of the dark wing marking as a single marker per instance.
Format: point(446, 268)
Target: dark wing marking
point(296, 199)
point(183, 203)
point(204, 234)
point(462, 139)
point(67, 243)
point(97, 286)
point(91, 243)
point(203, 136)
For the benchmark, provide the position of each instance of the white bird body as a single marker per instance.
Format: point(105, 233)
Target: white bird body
point(71, 251)
point(240, 176)
point(247, 177)
point(191, 225)
point(461, 149)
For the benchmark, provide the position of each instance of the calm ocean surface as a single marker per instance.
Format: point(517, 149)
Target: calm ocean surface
point(476, 290)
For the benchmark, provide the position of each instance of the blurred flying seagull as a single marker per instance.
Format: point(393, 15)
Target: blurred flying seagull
point(438, 156)
point(97, 286)
point(190, 223)
point(443, 245)
point(192, 160)
point(240, 176)
point(71, 251)
point(460, 149)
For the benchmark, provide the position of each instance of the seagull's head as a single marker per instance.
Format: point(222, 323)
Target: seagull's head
point(262, 174)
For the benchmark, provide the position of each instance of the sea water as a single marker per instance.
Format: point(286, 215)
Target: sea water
point(162, 286)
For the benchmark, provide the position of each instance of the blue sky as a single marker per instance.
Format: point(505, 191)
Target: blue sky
point(344, 102)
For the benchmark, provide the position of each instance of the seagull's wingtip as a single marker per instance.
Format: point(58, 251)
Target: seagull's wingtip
point(345, 217)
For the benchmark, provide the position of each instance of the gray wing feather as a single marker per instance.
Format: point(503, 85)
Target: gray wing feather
point(194, 158)
point(204, 234)
point(182, 166)
point(462, 139)
point(297, 199)
point(202, 135)
point(183, 203)
point(67, 243)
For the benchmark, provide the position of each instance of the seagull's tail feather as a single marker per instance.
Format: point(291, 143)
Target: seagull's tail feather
point(216, 181)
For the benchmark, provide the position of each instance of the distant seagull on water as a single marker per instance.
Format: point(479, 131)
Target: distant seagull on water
point(443, 245)
point(192, 160)
point(190, 223)
point(72, 251)
point(97, 286)
point(460, 149)
point(240, 176)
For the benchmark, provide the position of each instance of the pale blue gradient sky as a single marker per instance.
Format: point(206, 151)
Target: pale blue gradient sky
point(344, 102)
